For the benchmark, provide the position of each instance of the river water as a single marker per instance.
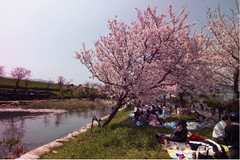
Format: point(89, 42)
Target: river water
point(36, 129)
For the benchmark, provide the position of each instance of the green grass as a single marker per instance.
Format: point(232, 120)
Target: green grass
point(11, 141)
point(121, 139)
point(7, 85)
point(9, 82)
point(72, 104)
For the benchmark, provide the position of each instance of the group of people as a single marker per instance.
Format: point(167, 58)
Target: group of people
point(225, 132)
point(149, 114)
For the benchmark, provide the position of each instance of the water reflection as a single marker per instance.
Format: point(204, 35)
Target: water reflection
point(46, 121)
point(34, 130)
point(14, 129)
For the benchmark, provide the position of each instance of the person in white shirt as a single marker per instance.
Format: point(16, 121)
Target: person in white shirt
point(218, 130)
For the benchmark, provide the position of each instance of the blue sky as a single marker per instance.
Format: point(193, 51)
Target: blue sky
point(42, 35)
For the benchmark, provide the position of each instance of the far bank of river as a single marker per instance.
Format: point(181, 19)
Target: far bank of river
point(35, 128)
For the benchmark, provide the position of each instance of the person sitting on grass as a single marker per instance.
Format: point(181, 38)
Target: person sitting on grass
point(218, 130)
point(207, 149)
point(144, 118)
point(137, 114)
point(232, 135)
point(179, 135)
point(154, 120)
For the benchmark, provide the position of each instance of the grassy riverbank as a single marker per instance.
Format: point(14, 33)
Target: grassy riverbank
point(71, 104)
point(121, 139)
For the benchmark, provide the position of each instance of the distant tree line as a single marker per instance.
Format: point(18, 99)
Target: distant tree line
point(88, 90)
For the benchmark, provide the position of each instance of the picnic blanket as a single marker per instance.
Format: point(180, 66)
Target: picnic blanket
point(170, 125)
point(190, 125)
point(177, 150)
point(164, 115)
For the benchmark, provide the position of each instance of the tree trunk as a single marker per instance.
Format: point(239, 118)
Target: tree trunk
point(115, 110)
point(235, 85)
point(26, 83)
point(16, 86)
point(181, 99)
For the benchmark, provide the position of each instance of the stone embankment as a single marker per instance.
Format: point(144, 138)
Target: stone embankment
point(32, 110)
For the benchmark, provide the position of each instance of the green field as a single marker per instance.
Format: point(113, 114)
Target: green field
point(10, 83)
point(69, 104)
point(38, 90)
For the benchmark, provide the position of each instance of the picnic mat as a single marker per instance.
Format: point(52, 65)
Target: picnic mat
point(190, 125)
point(193, 125)
point(183, 151)
point(178, 150)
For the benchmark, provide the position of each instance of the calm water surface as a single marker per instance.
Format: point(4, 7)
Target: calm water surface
point(38, 129)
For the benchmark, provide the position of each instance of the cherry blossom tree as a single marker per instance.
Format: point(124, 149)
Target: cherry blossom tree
point(61, 81)
point(142, 59)
point(2, 72)
point(225, 48)
point(20, 73)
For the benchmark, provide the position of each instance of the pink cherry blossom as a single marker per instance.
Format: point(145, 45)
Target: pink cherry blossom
point(146, 58)
point(20, 73)
point(2, 73)
point(224, 48)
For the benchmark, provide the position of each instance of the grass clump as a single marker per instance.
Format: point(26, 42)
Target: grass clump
point(11, 141)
